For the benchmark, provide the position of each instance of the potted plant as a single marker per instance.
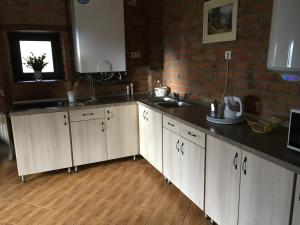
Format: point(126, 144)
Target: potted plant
point(37, 64)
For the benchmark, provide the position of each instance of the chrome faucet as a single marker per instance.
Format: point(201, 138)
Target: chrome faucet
point(184, 98)
point(176, 96)
point(92, 89)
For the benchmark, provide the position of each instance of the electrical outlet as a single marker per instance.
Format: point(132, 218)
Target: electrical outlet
point(135, 55)
point(227, 55)
point(132, 2)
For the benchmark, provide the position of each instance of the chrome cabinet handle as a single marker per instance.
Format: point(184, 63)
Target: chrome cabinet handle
point(65, 119)
point(171, 124)
point(181, 148)
point(87, 114)
point(146, 116)
point(244, 166)
point(108, 113)
point(102, 127)
point(177, 145)
point(235, 161)
point(191, 134)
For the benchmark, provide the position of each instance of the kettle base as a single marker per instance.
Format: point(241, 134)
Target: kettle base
point(225, 121)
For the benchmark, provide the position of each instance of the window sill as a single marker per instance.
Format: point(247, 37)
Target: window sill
point(38, 81)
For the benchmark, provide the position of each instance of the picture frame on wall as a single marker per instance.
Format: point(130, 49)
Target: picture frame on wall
point(220, 21)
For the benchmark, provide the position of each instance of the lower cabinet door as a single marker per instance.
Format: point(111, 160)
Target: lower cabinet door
point(222, 181)
point(265, 192)
point(171, 157)
point(88, 141)
point(121, 131)
point(192, 172)
point(296, 212)
point(154, 138)
point(42, 142)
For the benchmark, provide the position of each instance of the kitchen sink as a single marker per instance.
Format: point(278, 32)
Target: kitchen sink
point(172, 104)
point(38, 105)
point(168, 102)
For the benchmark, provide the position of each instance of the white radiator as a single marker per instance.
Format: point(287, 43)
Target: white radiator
point(4, 135)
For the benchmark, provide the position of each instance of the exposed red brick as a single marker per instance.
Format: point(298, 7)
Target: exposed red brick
point(182, 32)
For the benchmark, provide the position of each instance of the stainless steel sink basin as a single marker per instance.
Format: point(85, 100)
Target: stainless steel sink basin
point(170, 102)
point(38, 105)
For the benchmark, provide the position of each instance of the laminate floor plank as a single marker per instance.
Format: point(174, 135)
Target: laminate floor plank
point(195, 216)
point(132, 216)
point(118, 192)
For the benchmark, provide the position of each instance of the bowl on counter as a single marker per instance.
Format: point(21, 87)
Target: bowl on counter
point(264, 125)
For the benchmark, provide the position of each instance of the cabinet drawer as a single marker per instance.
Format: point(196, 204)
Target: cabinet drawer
point(171, 124)
point(193, 135)
point(87, 114)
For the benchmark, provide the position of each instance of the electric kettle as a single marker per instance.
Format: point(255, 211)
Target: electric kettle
point(233, 107)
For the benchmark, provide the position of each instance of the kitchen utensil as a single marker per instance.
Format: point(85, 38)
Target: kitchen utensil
point(216, 109)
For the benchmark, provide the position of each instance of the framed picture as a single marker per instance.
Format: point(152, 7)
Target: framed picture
point(220, 20)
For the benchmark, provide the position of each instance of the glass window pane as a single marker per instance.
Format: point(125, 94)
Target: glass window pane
point(38, 48)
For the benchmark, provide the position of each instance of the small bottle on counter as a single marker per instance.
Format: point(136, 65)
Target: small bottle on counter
point(131, 89)
point(127, 90)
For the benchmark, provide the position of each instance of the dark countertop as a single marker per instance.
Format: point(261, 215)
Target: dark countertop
point(52, 106)
point(271, 147)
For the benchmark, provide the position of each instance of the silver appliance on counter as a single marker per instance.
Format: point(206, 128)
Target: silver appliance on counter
point(230, 112)
point(294, 130)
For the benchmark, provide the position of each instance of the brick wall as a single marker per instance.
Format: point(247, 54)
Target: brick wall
point(190, 66)
point(140, 21)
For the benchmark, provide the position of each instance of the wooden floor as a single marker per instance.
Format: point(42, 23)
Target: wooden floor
point(121, 192)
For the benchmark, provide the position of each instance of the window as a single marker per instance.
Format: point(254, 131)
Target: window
point(23, 44)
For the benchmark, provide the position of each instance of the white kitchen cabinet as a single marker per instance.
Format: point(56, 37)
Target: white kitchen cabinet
point(88, 141)
point(265, 192)
point(222, 181)
point(192, 171)
point(122, 131)
point(171, 156)
point(150, 126)
point(42, 142)
point(296, 211)
point(245, 190)
point(183, 165)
